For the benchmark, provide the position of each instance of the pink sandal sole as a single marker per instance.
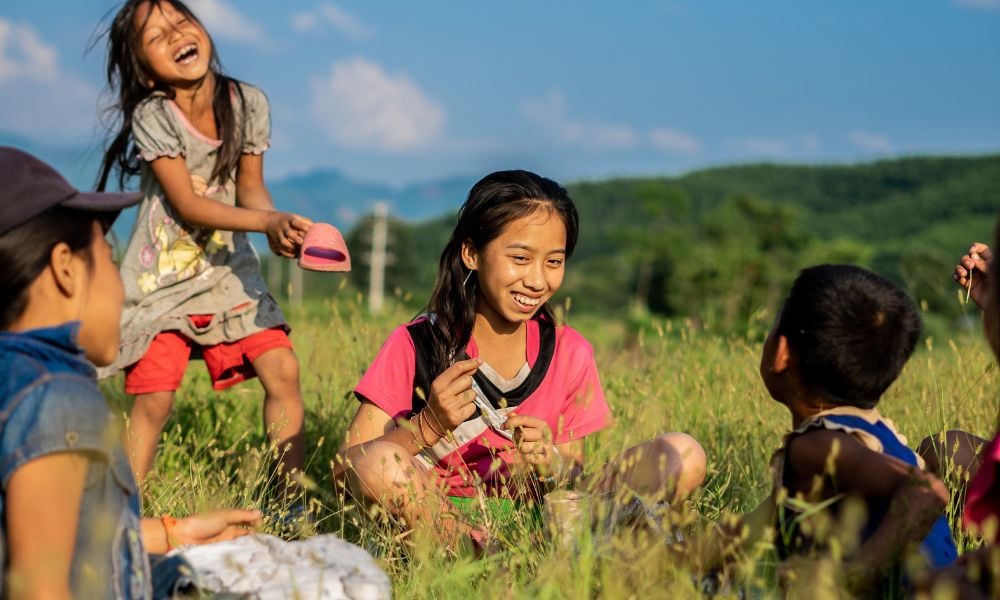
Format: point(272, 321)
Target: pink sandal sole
point(324, 249)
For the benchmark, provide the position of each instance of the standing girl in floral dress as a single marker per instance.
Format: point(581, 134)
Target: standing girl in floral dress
point(192, 280)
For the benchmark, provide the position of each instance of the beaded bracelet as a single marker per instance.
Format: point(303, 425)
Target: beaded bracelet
point(440, 434)
point(421, 419)
point(414, 429)
point(413, 434)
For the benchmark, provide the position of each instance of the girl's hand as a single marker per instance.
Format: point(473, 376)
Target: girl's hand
point(285, 233)
point(213, 526)
point(450, 399)
point(975, 265)
point(533, 438)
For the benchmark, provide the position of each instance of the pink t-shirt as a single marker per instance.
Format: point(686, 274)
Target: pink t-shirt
point(570, 399)
point(982, 501)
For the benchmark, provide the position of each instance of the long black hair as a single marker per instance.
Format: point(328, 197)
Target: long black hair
point(494, 202)
point(128, 80)
point(26, 250)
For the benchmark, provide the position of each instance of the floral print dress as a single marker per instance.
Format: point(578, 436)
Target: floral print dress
point(173, 270)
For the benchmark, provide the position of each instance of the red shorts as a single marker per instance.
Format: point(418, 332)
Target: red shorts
point(162, 368)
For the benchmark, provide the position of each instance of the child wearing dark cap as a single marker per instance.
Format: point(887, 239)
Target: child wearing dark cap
point(71, 523)
point(845, 483)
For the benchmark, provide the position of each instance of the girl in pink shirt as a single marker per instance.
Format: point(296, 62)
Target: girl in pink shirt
point(486, 395)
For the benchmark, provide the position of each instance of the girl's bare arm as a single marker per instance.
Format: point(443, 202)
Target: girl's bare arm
point(197, 210)
point(201, 528)
point(43, 509)
point(285, 231)
point(251, 192)
point(370, 424)
point(448, 405)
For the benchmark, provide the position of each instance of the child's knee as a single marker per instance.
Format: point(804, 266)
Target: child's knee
point(286, 367)
point(690, 457)
point(384, 459)
point(279, 370)
point(155, 406)
point(375, 467)
point(947, 449)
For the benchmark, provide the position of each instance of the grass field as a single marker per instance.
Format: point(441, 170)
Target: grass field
point(669, 378)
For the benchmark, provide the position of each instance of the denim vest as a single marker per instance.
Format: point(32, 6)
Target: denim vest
point(49, 403)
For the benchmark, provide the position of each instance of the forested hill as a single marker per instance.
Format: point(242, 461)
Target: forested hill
point(721, 245)
point(891, 197)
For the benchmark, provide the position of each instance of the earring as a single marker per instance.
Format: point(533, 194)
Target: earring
point(467, 276)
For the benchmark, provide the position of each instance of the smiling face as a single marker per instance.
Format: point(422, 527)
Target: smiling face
point(175, 49)
point(519, 270)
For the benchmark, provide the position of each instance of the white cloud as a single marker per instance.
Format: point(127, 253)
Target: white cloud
point(342, 21)
point(672, 141)
point(37, 98)
point(551, 112)
point(870, 142)
point(363, 107)
point(223, 21)
point(24, 55)
point(810, 142)
point(602, 135)
point(978, 4)
point(305, 21)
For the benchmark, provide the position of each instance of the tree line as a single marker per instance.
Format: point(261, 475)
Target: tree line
point(720, 246)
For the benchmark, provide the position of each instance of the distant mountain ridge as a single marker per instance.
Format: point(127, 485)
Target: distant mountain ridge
point(331, 196)
point(324, 194)
point(719, 245)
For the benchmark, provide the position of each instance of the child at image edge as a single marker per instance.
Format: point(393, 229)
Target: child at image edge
point(420, 447)
point(841, 339)
point(71, 523)
point(192, 280)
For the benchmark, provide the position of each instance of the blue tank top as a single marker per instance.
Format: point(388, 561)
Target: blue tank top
point(939, 546)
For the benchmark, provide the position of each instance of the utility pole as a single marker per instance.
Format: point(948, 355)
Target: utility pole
point(380, 238)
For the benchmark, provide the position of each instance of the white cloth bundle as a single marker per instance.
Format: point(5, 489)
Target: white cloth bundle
point(265, 567)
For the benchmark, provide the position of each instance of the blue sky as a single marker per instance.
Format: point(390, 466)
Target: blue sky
point(411, 91)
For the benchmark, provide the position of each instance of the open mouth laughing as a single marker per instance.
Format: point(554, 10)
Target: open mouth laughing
point(186, 54)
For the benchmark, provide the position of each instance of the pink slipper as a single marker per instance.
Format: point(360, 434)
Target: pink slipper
point(324, 249)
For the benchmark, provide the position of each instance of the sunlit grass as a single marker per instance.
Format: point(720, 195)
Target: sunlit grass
point(671, 377)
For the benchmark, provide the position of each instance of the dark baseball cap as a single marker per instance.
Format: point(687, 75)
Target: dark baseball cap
point(29, 187)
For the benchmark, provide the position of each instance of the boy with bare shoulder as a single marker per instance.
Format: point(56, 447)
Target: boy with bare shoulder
point(847, 489)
